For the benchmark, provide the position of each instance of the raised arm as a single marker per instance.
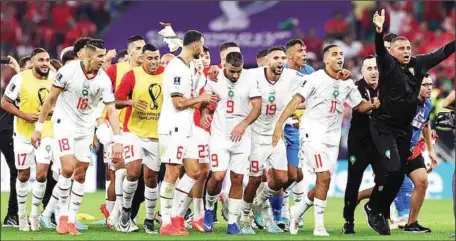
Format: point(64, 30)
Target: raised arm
point(430, 60)
point(383, 56)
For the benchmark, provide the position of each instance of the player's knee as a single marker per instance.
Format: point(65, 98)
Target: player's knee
point(204, 173)
point(67, 171)
point(421, 184)
point(300, 175)
point(324, 179)
point(151, 180)
point(23, 175)
point(281, 179)
point(79, 176)
point(132, 174)
point(292, 177)
point(236, 179)
point(218, 176)
point(41, 177)
point(256, 181)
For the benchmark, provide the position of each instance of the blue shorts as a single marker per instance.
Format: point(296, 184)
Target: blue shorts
point(292, 143)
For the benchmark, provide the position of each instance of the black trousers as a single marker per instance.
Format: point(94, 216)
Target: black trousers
point(393, 148)
point(6, 147)
point(361, 153)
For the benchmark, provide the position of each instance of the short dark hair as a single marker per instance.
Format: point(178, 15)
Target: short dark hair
point(227, 45)
point(192, 36)
point(80, 44)
point(367, 57)
point(23, 61)
point(326, 49)
point(389, 37)
point(293, 42)
point(235, 59)
point(122, 53)
point(206, 49)
point(426, 75)
point(276, 48)
point(37, 51)
point(262, 53)
point(149, 47)
point(399, 38)
point(56, 64)
point(96, 43)
point(134, 38)
point(68, 56)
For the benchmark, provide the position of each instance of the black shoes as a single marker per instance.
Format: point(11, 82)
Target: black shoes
point(376, 221)
point(349, 228)
point(11, 220)
point(416, 228)
point(149, 226)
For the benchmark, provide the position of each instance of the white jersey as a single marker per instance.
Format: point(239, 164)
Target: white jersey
point(234, 101)
point(324, 98)
point(177, 81)
point(77, 104)
point(275, 97)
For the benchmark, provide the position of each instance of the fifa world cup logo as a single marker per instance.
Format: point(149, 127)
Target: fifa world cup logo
point(154, 92)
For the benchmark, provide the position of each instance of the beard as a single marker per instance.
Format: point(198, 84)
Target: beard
point(41, 73)
point(196, 56)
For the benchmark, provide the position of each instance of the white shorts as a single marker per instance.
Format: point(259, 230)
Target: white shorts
point(67, 144)
point(265, 156)
point(138, 148)
point(25, 153)
point(318, 156)
point(200, 141)
point(105, 134)
point(107, 155)
point(174, 148)
point(225, 154)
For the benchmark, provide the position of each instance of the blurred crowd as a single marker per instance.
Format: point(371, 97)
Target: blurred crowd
point(51, 25)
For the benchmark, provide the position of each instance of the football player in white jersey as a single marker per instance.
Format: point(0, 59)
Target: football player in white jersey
point(230, 142)
point(277, 85)
point(175, 129)
point(76, 91)
point(320, 129)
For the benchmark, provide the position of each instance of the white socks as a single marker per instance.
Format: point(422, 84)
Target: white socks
point(264, 195)
point(234, 210)
point(118, 187)
point(210, 201)
point(150, 198)
point(286, 205)
point(319, 212)
point(37, 197)
point(129, 189)
point(77, 192)
point(52, 202)
point(198, 206)
point(64, 185)
point(181, 192)
point(184, 207)
point(302, 206)
point(166, 201)
point(21, 193)
point(246, 208)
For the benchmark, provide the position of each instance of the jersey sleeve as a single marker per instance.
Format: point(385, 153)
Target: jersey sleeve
point(112, 73)
point(354, 97)
point(296, 82)
point(61, 78)
point(178, 85)
point(13, 87)
point(254, 86)
point(126, 86)
point(106, 91)
point(307, 88)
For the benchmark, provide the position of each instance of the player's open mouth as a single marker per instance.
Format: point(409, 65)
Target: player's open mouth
point(280, 68)
point(406, 57)
point(340, 62)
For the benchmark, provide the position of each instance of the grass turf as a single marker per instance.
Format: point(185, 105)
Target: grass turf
point(435, 214)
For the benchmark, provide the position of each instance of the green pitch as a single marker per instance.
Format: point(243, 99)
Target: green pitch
point(436, 214)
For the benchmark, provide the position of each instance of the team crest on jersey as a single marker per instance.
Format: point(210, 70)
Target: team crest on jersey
point(230, 92)
point(177, 80)
point(352, 160)
point(85, 92)
point(271, 97)
point(388, 154)
point(336, 91)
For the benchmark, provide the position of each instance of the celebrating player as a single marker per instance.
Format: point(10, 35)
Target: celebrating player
point(320, 130)
point(79, 86)
point(230, 141)
point(28, 89)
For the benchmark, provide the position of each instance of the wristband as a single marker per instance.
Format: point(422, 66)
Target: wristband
point(38, 126)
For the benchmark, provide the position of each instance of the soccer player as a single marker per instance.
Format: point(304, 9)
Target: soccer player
point(166, 58)
point(141, 92)
point(175, 128)
point(79, 47)
point(115, 72)
point(230, 142)
point(261, 59)
point(361, 148)
point(123, 56)
point(320, 130)
point(79, 86)
point(206, 56)
point(28, 90)
point(276, 84)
